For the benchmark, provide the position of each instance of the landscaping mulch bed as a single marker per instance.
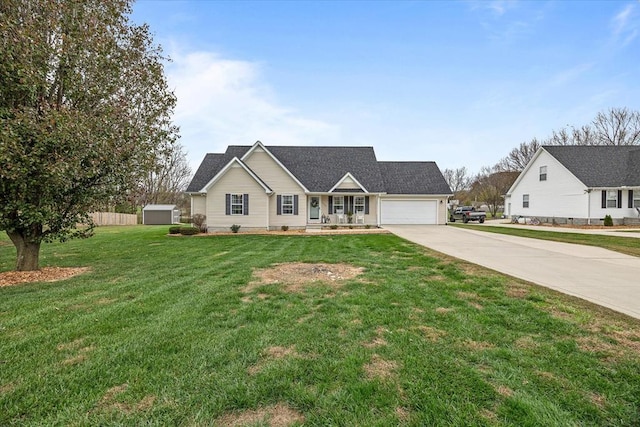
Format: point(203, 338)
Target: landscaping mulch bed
point(45, 274)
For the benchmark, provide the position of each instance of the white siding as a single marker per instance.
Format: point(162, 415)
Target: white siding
point(625, 211)
point(281, 183)
point(237, 181)
point(198, 204)
point(561, 195)
point(347, 183)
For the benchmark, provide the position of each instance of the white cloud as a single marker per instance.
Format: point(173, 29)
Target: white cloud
point(569, 76)
point(223, 102)
point(625, 25)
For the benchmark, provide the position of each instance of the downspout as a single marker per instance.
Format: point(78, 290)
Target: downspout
point(268, 210)
point(588, 206)
point(379, 217)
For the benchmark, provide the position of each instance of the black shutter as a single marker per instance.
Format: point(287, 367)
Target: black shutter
point(330, 204)
point(227, 204)
point(630, 198)
point(246, 203)
point(348, 202)
point(295, 204)
point(604, 199)
point(279, 208)
point(619, 198)
point(366, 205)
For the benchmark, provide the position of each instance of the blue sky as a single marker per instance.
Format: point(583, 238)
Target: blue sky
point(460, 83)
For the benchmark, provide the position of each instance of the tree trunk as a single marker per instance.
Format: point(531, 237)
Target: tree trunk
point(28, 251)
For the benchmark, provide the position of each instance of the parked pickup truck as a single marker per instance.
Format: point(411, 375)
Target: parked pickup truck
point(466, 214)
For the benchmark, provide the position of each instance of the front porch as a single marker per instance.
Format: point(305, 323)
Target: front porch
point(341, 211)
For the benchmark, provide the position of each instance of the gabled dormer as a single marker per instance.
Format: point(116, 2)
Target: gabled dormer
point(348, 183)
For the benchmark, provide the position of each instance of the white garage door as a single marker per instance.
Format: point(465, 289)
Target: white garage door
point(409, 211)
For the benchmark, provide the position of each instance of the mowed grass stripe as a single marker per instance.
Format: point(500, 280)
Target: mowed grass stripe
point(164, 330)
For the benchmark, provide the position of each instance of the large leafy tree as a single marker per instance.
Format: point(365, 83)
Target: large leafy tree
point(84, 110)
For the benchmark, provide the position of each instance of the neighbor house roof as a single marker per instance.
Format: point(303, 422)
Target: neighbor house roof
point(413, 178)
point(602, 165)
point(319, 169)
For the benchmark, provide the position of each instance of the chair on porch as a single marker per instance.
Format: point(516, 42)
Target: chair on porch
point(638, 210)
point(340, 218)
point(360, 217)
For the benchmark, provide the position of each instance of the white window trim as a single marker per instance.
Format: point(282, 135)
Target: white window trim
point(636, 199)
point(612, 199)
point(241, 204)
point(543, 173)
point(283, 204)
point(525, 201)
point(359, 207)
point(335, 205)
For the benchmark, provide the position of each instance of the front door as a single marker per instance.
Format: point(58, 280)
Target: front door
point(314, 208)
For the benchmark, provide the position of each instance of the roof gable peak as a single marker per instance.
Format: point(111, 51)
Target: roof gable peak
point(346, 178)
point(260, 146)
point(247, 169)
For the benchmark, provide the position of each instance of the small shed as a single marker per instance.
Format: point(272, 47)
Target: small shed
point(160, 214)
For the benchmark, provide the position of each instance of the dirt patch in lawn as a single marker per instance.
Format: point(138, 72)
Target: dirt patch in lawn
point(503, 390)
point(378, 340)
point(295, 276)
point(77, 352)
point(403, 414)
point(109, 401)
point(432, 334)
point(515, 291)
point(279, 415)
point(477, 345)
point(7, 388)
point(45, 274)
point(380, 368)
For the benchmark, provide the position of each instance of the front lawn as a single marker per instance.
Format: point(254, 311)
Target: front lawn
point(625, 245)
point(365, 330)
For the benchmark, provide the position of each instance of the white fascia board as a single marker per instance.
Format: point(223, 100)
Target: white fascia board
point(341, 180)
point(275, 159)
point(226, 168)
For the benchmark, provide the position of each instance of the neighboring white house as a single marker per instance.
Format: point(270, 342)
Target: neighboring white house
point(269, 187)
point(578, 184)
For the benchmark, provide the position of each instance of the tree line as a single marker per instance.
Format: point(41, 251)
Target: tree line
point(615, 126)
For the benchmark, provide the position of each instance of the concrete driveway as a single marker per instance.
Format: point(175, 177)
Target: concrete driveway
point(598, 275)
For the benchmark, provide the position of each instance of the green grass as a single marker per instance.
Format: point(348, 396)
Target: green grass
point(625, 245)
point(161, 332)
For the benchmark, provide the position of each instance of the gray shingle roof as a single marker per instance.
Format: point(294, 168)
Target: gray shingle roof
point(319, 169)
point(413, 178)
point(602, 165)
point(212, 164)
